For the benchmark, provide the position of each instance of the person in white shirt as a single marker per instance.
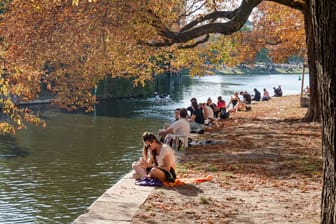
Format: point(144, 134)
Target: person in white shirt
point(180, 127)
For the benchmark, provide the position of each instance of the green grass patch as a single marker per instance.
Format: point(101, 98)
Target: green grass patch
point(203, 200)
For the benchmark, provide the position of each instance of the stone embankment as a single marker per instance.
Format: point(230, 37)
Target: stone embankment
point(117, 205)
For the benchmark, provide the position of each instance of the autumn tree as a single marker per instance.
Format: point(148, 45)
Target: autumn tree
point(320, 27)
point(279, 29)
point(72, 48)
point(285, 32)
point(68, 50)
point(122, 36)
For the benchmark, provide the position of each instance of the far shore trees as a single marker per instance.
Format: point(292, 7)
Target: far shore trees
point(81, 43)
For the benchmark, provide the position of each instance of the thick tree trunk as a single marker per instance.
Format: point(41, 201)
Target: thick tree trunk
point(314, 109)
point(324, 26)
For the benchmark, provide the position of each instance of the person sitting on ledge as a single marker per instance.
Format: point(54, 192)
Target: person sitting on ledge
point(197, 119)
point(177, 116)
point(213, 106)
point(240, 106)
point(237, 104)
point(306, 91)
point(221, 104)
point(277, 91)
point(257, 95)
point(246, 97)
point(234, 100)
point(158, 160)
point(266, 95)
point(179, 127)
point(190, 108)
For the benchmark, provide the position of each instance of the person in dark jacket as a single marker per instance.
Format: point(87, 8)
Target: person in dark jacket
point(246, 96)
point(257, 95)
point(197, 118)
point(277, 91)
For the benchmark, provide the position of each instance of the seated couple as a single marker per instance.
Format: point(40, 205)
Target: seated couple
point(237, 104)
point(158, 161)
point(209, 115)
point(180, 127)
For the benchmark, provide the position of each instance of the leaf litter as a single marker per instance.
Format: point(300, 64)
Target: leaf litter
point(266, 168)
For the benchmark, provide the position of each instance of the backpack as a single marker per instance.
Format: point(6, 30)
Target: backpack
point(224, 114)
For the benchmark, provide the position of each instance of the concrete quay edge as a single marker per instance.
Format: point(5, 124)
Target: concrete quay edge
point(118, 204)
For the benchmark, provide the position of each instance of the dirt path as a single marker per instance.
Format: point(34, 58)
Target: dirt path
point(266, 170)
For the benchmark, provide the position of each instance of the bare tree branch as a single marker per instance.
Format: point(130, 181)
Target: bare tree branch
point(205, 39)
point(205, 25)
point(211, 16)
point(195, 10)
point(237, 19)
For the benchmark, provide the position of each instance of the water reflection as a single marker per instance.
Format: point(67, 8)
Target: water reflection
point(71, 162)
point(9, 148)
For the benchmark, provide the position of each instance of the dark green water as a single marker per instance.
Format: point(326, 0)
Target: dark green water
point(52, 174)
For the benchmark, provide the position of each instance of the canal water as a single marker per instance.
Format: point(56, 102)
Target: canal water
point(52, 174)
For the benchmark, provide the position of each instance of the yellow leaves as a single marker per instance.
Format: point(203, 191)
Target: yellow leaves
point(78, 46)
point(300, 1)
point(33, 119)
point(76, 2)
point(281, 30)
point(6, 128)
point(36, 5)
point(17, 84)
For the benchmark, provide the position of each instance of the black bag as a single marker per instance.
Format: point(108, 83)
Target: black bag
point(170, 175)
point(223, 114)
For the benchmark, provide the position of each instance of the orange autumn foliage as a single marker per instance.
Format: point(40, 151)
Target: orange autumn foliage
point(69, 46)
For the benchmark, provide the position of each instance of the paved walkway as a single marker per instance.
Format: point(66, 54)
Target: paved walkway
point(118, 204)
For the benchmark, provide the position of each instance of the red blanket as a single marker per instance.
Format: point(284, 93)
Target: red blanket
point(183, 181)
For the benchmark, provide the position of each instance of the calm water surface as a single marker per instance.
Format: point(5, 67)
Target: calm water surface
point(52, 174)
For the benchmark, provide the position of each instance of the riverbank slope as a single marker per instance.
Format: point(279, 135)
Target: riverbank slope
point(267, 169)
point(262, 68)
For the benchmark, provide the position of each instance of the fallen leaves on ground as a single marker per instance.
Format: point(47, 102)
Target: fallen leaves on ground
point(266, 169)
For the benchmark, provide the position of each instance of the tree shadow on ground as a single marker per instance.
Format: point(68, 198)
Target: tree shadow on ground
point(271, 148)
point(187, 189)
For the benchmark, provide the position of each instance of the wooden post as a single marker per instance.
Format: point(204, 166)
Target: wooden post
point(302, 81)
point(304, 100)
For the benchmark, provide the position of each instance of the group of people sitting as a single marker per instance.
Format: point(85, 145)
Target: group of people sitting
point(158, 157)
point(257, 95)
point(277, 91)
point(266, 95)
point(192, 119)
point(195, 117)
